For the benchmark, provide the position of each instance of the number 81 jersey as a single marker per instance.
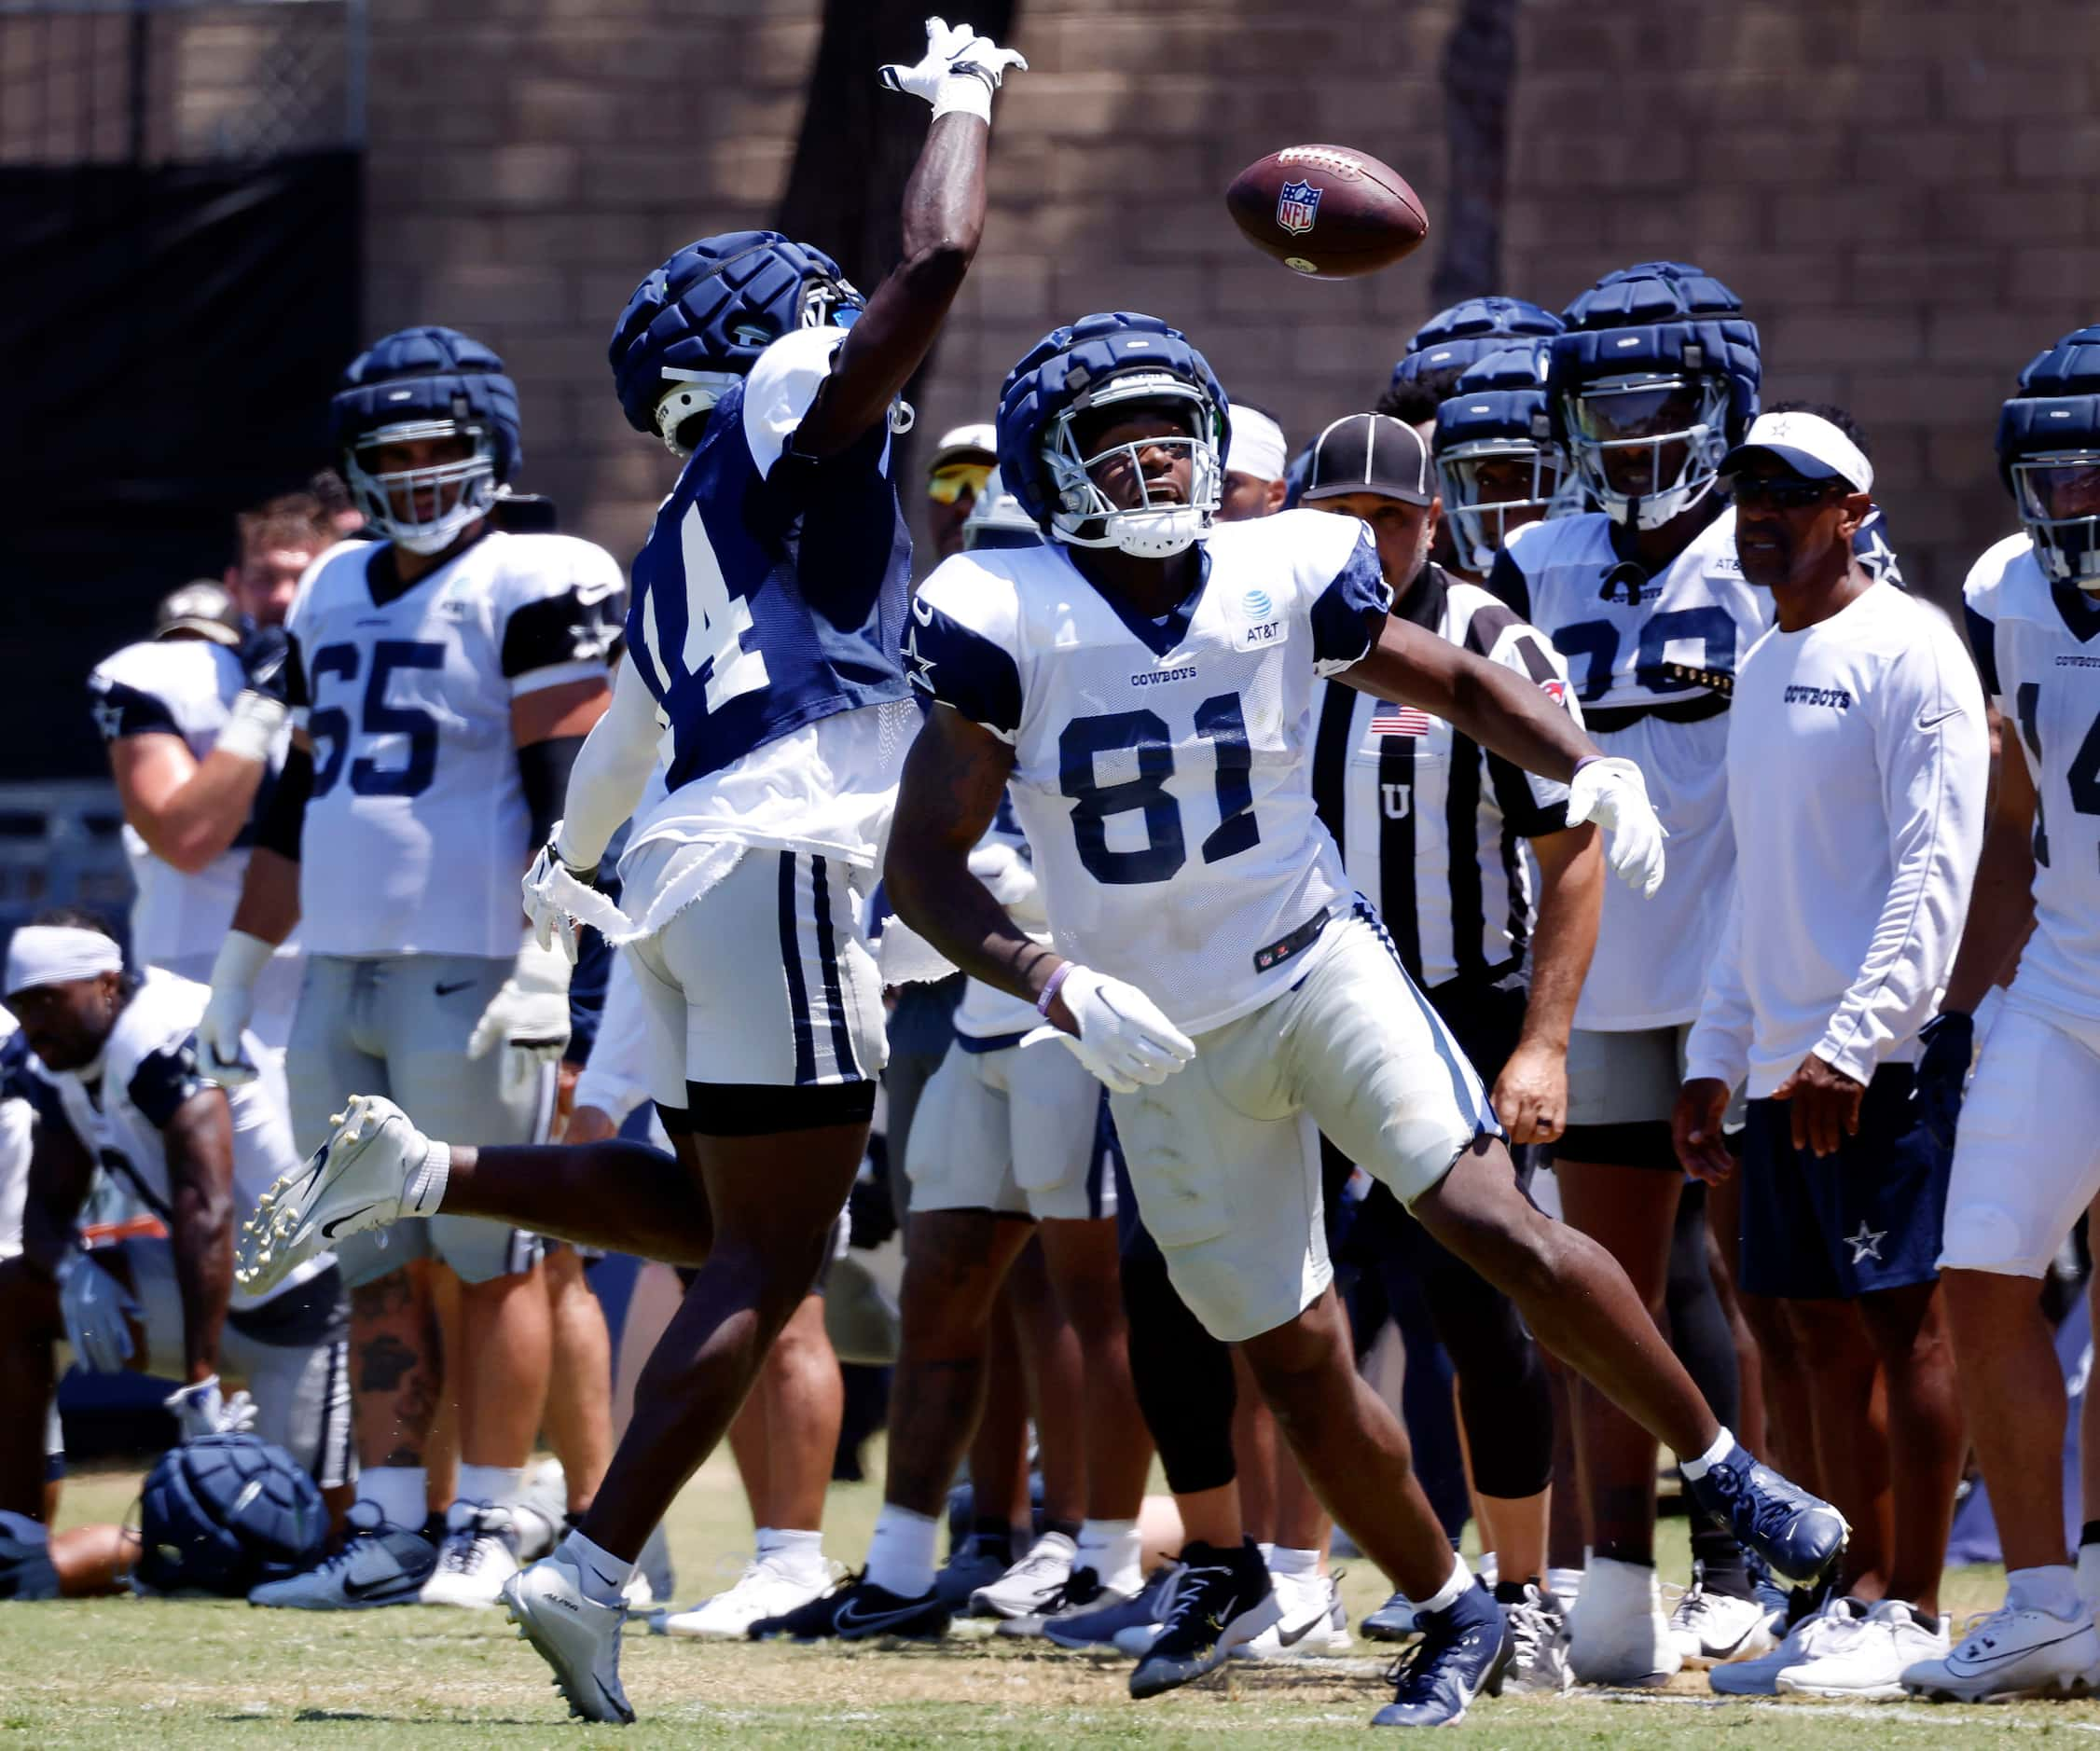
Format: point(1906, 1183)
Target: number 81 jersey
point(418, 828)
point(1162, 770)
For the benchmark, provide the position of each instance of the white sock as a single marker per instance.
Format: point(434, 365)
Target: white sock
point(398, 1492)
point(901, 1553)
point(1565, 1584)
point(602, 1576)
point(1114, 1551)
point(425, 1190)
point(1452, 1590)
point(799, 1555)
point(1288, 1560)
point(1696, 1469)
point(1267, 1549)
point(489, 1483)
point(2088, 1574)
point(2051, 1588)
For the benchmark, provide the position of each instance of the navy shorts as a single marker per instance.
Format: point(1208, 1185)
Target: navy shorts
point(1832, 1227)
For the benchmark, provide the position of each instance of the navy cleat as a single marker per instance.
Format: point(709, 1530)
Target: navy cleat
point(857, 1610)
point(1223, 1598)
point(1461, 1655)
point(26, 1569)
point(1800, 1537)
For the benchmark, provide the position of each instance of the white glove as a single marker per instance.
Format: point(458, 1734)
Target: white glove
point(529, 1015)
point(220, 1053)
point(199, 1411)
point(1612, 793)
point(251, 726)
point(1123, 1039)
point(1010, 879)
point(960, 70)
point(547, 899)
point(98, 1311)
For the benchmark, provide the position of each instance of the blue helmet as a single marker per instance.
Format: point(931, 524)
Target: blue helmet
point(1454, 338)
point(427, 383)
point(2049, 454)
point(1110, 359)
point(996, 520)
point(225, 1513)
point(697, 322)
point(1657, 365)
point(1500, 417)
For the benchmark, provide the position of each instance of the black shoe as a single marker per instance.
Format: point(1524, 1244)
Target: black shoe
point(857, 1610)
point(1461, 1656)
point(1224, 1599)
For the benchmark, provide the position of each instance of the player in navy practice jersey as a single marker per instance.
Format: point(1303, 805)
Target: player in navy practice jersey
point(761, 667)
point(1145, 695)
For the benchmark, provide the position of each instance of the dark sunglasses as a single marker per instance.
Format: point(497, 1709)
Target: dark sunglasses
point(1779, 492)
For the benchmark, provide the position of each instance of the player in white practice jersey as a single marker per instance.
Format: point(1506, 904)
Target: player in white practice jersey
point(2027, 1147)
point(441, 683)
point(1645, 601)
point(762, 668)
point(116, 1081)
point(1148, 698)
point(194, 719)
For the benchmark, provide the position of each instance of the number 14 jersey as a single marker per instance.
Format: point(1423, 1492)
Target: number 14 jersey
point(1163, 769)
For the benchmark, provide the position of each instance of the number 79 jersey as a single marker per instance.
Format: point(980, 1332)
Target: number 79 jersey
point(1162, 771)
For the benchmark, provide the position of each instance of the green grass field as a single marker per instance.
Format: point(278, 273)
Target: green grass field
point(176, 1675)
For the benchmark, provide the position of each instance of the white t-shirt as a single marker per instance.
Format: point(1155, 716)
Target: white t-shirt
point(418, 829)
point(148, 1071)
point(182, 687)
point(17, 1133)
point(2035, 643)
point(1632, 643)
point(1857, 758)
point(1163, 769)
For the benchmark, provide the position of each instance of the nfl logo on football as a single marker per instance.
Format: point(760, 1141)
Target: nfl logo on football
point(1296, 203)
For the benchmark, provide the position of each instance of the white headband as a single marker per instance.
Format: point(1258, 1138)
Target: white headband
point(1257, 445)
point(51, 954)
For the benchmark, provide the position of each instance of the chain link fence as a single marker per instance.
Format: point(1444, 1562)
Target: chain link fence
point(154, 82)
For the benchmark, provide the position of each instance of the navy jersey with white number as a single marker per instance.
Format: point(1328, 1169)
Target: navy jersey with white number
point(418, 829)
point(772, 589)
point(1163, 769)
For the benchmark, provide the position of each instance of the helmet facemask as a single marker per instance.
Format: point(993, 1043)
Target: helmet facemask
point(1476, 499)
point(2058, 496)
point(1648, 446)
point(1146, 529)
point(424, 510)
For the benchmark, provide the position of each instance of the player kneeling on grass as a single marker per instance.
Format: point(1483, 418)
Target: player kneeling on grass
point(1179, 853)
point(117, 1084)
point(2026, 1160)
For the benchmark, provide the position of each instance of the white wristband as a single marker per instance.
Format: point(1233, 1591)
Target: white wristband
point(240, 961)
point(968, 93)
point(251, 727)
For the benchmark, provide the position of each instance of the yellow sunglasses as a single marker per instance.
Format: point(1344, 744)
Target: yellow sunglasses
point(946, 485)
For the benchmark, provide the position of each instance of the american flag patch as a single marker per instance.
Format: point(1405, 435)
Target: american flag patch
point(1398, 719)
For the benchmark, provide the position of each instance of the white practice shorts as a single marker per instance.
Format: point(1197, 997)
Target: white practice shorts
point(1013, 1131)
point(1225, 1154)
point(761, 981)
point(2027, 1153)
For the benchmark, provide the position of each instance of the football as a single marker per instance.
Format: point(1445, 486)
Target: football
point(1327, 212)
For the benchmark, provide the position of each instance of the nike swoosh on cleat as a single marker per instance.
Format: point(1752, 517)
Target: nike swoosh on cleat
point(447, 990)
point(848, 1617)
point(1291, 1638)
point(1973, 1667)
point(330, 1228)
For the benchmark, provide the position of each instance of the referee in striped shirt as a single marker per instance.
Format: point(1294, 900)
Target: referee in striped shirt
point(1433, 830)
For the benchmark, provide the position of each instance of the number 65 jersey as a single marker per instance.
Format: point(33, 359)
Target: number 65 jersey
point(418, 827)
point(1162, 771)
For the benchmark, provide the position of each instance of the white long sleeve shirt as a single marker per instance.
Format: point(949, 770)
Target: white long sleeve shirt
point(1857, 758)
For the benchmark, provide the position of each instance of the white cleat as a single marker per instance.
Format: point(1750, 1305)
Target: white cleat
point(1869, 1664)
point(1708, 1627)
point(575, 1634)
point(1314, 1625)
point(478, 1555)
point(764, 1590)
point(1806, 1640)
point(2010, 1655)
point(359, 1179)
point(1616, 1631)
point(1030, 1584)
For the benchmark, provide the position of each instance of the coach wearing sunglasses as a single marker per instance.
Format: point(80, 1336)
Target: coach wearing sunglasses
point(1858, 757)
point(962, 461)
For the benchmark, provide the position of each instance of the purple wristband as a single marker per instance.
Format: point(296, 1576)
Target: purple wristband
point(1584, 761)
point(1050, 988)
